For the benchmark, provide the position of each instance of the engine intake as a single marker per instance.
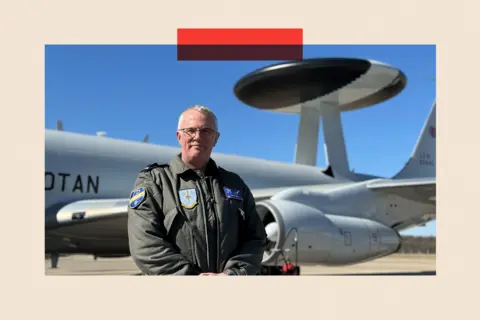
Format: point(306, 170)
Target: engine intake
point(322, 238)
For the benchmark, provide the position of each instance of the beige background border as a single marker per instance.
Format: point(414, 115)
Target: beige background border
point(28, 25)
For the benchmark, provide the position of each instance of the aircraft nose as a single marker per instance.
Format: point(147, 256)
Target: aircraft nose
point(272, 231)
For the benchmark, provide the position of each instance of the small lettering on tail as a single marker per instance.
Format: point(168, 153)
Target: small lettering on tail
point(422, 162)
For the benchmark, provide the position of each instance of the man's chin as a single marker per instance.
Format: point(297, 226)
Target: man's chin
point(197, 150)
point(197, 153)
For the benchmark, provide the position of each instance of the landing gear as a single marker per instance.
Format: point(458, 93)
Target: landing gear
point(54, 260)
point(288, 268)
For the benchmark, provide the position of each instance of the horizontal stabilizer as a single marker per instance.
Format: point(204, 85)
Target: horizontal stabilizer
point(417, 189)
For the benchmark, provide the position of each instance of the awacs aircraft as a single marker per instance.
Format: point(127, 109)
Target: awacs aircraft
point(315, 216)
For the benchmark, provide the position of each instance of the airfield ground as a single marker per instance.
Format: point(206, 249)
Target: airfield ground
point(398, 264)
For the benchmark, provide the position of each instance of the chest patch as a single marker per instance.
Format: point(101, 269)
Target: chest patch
point(232, 193)
point(188, 198)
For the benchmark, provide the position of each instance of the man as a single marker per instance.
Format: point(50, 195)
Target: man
point(191, 217)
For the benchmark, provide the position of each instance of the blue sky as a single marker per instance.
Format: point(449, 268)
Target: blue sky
point(129, 91)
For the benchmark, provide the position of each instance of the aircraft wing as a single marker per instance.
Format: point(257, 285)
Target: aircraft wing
point(417, 189)
point(266, 193)
point(88, 223)
point(88, 211)
point(111, 212)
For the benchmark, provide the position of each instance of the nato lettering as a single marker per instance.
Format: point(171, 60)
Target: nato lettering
point(67, 182)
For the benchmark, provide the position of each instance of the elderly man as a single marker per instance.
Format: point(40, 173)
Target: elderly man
point(191, 217)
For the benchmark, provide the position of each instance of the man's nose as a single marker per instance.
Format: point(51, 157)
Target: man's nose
point(196, 135)
point(199, 134)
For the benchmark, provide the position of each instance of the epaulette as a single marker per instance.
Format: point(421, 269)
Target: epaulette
point(224, 170)
point(152, 166)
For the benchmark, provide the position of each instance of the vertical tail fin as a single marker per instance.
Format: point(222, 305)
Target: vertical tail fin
point(422, 162)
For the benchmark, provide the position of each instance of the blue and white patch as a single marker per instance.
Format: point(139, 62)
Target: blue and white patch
point(188, 198)
point(231, 193)
point(136, 197)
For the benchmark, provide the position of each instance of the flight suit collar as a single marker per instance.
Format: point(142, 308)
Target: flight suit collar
point(179, 167)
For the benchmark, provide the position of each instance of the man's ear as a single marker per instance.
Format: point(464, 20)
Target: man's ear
point(178, 137)
point(216, 139)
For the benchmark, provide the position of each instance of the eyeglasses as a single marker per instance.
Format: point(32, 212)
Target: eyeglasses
point(191, 131)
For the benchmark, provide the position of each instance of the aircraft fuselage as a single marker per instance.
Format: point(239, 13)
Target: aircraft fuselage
point(80, 166)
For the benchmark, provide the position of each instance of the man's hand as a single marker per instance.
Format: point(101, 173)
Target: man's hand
point(212, 274)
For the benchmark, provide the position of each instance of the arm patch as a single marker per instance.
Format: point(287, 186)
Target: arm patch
point(136, 197)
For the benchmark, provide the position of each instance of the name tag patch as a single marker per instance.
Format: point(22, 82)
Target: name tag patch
point(231, 193)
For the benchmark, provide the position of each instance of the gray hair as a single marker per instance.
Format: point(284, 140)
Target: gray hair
point(206, 111)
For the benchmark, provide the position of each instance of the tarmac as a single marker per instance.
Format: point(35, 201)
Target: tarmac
point(397, 264)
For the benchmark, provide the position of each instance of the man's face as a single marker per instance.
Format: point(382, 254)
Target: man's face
point(197, 145)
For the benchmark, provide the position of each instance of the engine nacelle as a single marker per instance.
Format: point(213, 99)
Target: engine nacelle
point(322, 238)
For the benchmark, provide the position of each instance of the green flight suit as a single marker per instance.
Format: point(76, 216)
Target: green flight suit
point(184, 222)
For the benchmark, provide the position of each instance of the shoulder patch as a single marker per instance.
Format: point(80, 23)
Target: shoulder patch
point(136, 197)
point(152, 166)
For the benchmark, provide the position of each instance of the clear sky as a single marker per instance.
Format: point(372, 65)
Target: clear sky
point(129, 91)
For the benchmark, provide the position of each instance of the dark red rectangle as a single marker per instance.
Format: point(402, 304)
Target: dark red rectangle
point(240, 36)
point(239, 52)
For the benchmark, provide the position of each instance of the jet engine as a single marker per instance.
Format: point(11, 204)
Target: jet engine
point(321, 238)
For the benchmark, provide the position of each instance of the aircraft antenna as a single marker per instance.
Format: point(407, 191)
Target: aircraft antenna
point(320, 89)
point(59, 125)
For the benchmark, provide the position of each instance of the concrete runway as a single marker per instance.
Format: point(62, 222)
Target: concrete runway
point(398, 264)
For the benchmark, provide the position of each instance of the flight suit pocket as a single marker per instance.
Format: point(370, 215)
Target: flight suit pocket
point(241, 224)
point(234, 220)
point(171, 219)
point(234, 207)
point(179, 233)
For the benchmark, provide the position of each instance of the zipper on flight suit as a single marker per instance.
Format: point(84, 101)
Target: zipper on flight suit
point(179, 209)
point(202, 200)
point(204, 184)
point(217, 221)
